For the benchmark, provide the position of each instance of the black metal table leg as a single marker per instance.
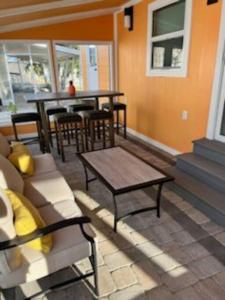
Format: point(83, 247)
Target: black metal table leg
point(115, 213)
point(98, 123)
point(111, 123)
point(44, 123)
point(158, 199)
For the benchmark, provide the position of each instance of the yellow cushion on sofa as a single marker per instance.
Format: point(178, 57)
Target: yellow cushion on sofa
point(27, 219)
point(21, 158)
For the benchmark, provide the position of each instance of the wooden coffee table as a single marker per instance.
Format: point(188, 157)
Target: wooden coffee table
point(123, 172)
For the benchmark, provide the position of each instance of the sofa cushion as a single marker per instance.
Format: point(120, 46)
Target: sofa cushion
point(10, 259)
point(47, 188)
point(66, 209)
point(4, 146)
point(10, 178)
point(69, 247)
point(44, 163)
point(28, 219)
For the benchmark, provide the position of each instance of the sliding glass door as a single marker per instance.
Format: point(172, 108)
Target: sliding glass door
point(87, 65)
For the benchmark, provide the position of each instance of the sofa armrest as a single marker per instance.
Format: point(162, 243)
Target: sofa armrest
point(20, 240)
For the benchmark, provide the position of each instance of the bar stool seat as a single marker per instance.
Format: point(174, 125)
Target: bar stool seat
point(96, 119)
point(117, 107)
point(25, 117)
point(52, 110)
point(97, 114)
point(80, 107)
point(67, 117)
point(68, 125)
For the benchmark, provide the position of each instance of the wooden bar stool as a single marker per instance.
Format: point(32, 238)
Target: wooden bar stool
point(51, 111)
point(28, 117)
point(96, 120)
point(117, 107)
point(68, 125)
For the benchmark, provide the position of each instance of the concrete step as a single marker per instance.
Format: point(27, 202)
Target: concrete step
point(202, 196)
point(203, 169)
point(210, 149)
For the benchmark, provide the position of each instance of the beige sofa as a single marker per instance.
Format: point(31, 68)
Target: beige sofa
point(73, 239)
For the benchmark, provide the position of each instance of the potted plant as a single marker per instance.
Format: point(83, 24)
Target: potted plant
point(12, 107)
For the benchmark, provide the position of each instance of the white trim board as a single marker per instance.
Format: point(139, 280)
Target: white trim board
point(43, 7)
point(130, 3)
point(57, 19)
point(215, 96)
point(153, 142)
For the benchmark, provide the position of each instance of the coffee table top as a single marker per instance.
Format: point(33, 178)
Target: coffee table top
point(122, 171)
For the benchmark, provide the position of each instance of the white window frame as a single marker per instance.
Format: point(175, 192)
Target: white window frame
point(186, 32)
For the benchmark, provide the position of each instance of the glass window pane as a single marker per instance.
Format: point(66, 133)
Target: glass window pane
point(3, 70)
point(69, 65)
point(39, 48)
point(93, 55)
point(158, 57)
point(28, 70)
point(5, 90)
point(41, 76)
point(167, 54)
point(169, 19)
point(15, 48)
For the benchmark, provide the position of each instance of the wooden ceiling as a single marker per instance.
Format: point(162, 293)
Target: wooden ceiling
point(18, 13)
point(4, 4)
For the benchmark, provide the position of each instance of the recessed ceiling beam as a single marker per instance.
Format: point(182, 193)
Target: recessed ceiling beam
point(43, 7)
point(58, 19)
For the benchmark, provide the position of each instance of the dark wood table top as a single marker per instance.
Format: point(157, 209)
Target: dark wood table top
point(122, 171)
point(44, 97)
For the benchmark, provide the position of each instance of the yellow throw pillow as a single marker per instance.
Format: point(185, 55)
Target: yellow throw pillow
point(27, 219)
point(21, 158)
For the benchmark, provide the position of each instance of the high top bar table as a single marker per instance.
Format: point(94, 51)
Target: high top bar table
point(40, 98)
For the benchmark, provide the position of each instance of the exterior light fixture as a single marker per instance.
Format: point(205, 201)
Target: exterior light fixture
point(211, 2)
point(129, 18)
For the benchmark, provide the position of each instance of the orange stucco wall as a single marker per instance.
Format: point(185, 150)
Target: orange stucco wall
point(155, 103)
point(91, 29)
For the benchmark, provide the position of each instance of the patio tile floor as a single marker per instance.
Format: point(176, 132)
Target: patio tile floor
point(179, 256)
